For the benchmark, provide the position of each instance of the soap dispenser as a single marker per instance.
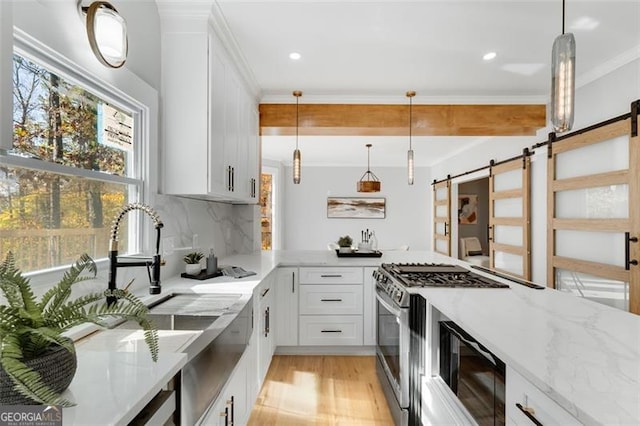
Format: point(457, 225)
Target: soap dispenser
point(212, 263)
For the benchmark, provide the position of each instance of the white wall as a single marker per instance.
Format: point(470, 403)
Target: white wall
point(408, 208)
point(607, 97)
point(57, 25)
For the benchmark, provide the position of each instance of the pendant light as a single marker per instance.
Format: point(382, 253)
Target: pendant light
point(563, 63)
point(369, 182)
point(297, 158)
point(410, 95)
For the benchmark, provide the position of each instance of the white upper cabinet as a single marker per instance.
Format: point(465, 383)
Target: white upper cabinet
point(210, 125)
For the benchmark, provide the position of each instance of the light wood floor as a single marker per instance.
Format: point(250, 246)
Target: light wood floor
point(321, 390)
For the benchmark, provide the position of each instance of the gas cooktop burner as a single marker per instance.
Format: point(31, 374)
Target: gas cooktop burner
point(437, 275)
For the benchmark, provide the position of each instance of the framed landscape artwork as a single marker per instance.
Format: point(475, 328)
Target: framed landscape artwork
point(356, 208)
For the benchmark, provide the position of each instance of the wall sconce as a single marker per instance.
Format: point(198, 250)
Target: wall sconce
point(107, 32)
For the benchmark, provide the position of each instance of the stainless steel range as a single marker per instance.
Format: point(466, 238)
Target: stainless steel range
point(401, 325)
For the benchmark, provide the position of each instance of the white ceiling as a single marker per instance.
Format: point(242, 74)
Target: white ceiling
point(374, 51)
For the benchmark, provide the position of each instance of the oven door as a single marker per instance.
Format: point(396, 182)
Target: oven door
point(393, 345)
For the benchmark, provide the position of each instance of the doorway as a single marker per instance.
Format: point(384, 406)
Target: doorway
point(473, 215)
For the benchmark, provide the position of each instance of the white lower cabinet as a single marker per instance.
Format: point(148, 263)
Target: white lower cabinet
point(330, 330)
point(287, 289)
point(232, 406)
point(331, 306)
point(369, 307)
point(525, 402)
point(264, 295)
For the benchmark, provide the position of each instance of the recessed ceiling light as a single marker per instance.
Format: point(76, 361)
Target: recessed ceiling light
point(489, 56)
point(295, 56)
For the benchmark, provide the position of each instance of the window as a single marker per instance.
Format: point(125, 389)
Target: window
point(73, 165)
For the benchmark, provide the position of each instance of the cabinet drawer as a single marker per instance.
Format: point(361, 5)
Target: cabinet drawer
point(520, 391)
point(331, 299)
point(331, 276)
point(322, 330)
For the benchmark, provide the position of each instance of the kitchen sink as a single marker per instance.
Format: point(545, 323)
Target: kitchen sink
point(175, 322)
point(186, 311)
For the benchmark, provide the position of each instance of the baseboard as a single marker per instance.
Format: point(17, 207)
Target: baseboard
point(326, 350)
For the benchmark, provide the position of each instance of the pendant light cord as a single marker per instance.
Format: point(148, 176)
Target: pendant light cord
point(297, 99)
point(562, 16)
point(410, 119)
point(368, 158)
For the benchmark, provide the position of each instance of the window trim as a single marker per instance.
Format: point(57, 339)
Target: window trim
point(143, 115)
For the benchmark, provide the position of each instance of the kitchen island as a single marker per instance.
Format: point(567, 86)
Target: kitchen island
point(582, 355)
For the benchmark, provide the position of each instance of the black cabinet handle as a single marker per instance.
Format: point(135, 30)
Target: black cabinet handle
point(231, 402)
point(530, 416)
point(228, 178)
point(628, 239)
point(445, 228)
point(226, 416)
point(264, 292)
point(293, 282)
point(331, 331)
point(266, 322)
point(331, 276)
point(331, 300)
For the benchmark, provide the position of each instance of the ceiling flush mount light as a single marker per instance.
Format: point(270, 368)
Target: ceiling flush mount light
point(563, 64)
point(369, 182)
point(410, 95)
point(107, 32)
point(295, 56)
point(297, 158)
point(489, 56)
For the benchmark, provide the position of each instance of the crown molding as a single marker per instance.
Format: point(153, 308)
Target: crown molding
point(607, 67)
point(374, 99)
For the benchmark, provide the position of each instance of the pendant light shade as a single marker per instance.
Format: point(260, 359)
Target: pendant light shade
point(297, 157)
point(369, 182)
point(563, 64)
point(410, 165)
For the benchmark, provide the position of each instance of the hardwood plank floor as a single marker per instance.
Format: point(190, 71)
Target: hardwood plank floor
point(321, 390)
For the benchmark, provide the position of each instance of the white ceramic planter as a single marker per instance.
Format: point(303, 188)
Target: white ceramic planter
point(193, 268)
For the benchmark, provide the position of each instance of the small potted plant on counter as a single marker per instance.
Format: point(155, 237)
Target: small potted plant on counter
point(37, 362)
point(345, 244)
point(192, 261)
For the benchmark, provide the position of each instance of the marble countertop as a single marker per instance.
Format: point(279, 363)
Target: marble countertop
point(583, 355)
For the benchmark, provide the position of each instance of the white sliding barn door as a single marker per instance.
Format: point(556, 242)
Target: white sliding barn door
point(442, 217)
point(509, 217)
point(593, 215)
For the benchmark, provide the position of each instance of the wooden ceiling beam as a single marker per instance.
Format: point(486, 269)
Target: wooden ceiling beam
point(393, 120)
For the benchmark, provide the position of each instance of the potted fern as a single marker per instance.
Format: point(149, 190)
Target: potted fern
point(192, 261)
point(37, 362)
point(345, 244)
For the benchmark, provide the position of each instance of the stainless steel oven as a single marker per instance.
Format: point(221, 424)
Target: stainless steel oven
point(392, 349)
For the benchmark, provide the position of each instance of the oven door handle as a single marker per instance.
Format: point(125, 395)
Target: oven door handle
point(389, 306)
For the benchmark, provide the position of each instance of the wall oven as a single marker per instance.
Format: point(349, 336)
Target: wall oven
point(474, 375)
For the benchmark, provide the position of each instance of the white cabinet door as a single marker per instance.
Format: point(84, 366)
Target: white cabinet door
point(232, 124)
point(525, 402)
point(369, 307)
point(331, 299)
point(231, 407)
point(287, 289)
point(333, 275)
point(330, 330)
point(217, 79)
point(266, 336)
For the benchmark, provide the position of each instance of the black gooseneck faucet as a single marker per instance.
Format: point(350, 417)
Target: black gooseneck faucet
point(152, 264)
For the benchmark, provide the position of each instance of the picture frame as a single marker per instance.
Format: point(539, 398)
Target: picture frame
point(356, 207)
